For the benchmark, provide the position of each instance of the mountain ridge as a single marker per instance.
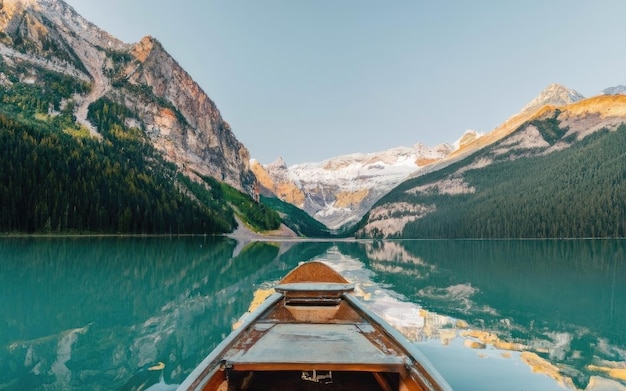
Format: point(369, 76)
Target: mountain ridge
point(550, 131)
point(554, 94)
point(100, 136)
point(339, 190)
point(620, 89)
point(300, 183)
point(184, 122)
point(137, 92)
point(316, 186)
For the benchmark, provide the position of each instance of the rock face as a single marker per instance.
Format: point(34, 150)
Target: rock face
point(190, 129)
point(555, 95)
point(172, 109)
point(275, 180)
point(341, 190)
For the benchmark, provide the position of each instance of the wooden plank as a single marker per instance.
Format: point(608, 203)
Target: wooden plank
point(315, 287)
point(295, 366)
point(313, 271)
point(313, 344)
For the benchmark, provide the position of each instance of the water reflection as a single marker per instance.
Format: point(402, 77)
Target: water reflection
point(560, 301)
point(87, 313)
point(126, 313)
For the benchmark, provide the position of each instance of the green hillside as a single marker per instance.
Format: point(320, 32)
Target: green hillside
point(579, 191)
point(55, 178)
point(297, 219)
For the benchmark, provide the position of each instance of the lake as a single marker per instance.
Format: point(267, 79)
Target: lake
point(128, 313)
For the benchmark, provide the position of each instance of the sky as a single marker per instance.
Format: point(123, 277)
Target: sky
point(307, 80)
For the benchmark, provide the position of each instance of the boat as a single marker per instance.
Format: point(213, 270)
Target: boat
point(313, 334)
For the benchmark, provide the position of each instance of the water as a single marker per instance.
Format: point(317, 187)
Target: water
point(133, 313)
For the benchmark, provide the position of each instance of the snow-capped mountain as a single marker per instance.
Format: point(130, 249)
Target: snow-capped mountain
point(615, 90)
point(555, 95)
point(341, 190)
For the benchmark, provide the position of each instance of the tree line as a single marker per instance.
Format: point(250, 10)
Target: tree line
point(576, 192)
point(54, 178)
point(51, 182)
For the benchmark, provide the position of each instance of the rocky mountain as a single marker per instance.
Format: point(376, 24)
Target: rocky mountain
point(100, 136)
point(615, 90)
point(177, 115)
point(553, 170)
point(551, 95)
point(555, 95)
point(111, 103)
point(341, 190)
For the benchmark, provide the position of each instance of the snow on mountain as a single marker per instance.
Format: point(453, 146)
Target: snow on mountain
point(468, 137)
point(555, 95)
point(354, 171)
point(615, 90)
point(341, 189)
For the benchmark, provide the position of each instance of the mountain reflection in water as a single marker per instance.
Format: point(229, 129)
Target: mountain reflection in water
point(133, 313)
point(561, 303)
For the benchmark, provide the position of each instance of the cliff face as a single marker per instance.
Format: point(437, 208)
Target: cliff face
point(175, 113)
point(190, 131)
point(274, 180)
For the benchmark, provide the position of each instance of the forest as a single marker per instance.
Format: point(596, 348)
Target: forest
point(55, 178)
point(576, 192)
point(297, 219)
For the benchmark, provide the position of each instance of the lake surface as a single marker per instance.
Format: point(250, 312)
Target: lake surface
point(131, 313)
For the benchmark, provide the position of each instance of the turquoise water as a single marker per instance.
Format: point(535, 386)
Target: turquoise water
point(126, 313)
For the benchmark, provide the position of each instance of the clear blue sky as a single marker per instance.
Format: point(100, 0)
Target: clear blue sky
point(311, 79)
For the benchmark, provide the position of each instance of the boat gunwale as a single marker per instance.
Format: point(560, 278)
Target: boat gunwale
point(428, 373)
point(200, 375)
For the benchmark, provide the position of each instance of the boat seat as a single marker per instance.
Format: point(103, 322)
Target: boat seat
point(312, 346)
point(314, 293)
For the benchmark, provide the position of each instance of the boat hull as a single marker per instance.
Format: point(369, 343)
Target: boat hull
point(312, 331)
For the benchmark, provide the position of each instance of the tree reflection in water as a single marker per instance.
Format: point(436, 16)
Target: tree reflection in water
point(560, 301)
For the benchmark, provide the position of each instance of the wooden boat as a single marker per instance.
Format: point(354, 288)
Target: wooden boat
point(314, 334)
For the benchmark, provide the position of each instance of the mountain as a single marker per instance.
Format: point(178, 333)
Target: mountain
point(341, 190)
point(174, 112)
point(554, 95)
point(296, 219)
point(97, 135)
point(615, 90)
point(557, 171)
